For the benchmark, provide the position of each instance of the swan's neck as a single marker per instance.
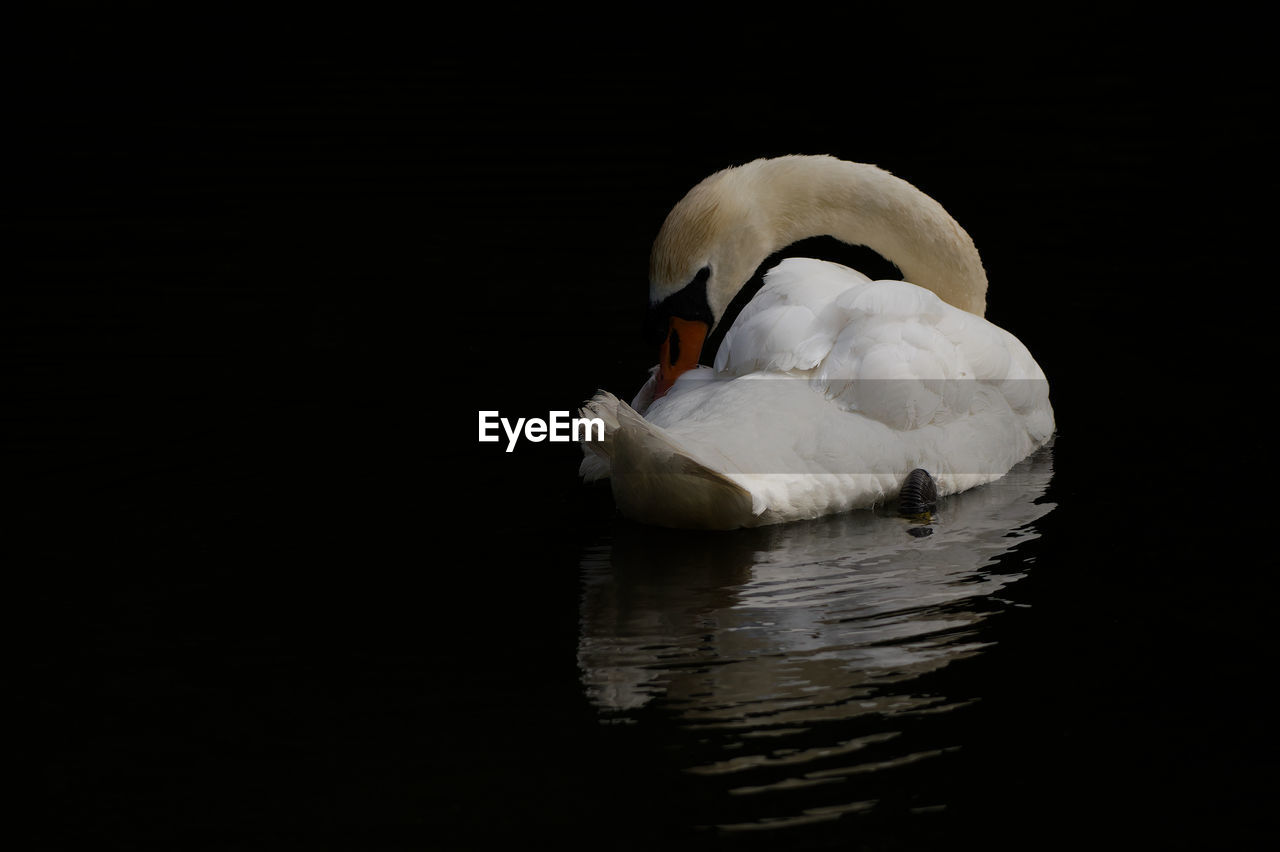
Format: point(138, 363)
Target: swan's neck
point(864, 205)
point(747, 213)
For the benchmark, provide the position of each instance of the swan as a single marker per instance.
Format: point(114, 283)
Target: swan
point(829, 388)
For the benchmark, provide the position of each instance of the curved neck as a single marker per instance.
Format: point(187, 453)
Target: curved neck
point(864, 205)
point(766, 205)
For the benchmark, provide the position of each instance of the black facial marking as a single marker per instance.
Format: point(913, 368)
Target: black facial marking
point(689, 302)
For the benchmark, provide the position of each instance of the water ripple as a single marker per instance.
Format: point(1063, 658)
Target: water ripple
point(791, 655)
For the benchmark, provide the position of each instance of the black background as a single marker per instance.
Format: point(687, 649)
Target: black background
point(271, 590)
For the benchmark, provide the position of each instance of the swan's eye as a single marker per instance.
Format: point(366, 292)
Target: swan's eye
point(673, 347)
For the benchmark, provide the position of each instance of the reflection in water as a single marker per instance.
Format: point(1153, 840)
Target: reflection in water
point(765, 644)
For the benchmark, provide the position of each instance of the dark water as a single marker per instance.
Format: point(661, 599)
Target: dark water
point(272, 593)
point(805, 656)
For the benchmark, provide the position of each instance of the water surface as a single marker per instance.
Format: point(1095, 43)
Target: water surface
point(792, 667)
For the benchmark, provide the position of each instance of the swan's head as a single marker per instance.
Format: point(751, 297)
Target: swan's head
point(705, 251)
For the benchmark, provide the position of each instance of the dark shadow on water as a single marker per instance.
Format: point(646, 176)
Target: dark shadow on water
point(797, 670)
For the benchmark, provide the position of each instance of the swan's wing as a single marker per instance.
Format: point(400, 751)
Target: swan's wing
point(908, 359)
point(891, 361)
point(889, 350)
point(792, 322)
point(998, 358)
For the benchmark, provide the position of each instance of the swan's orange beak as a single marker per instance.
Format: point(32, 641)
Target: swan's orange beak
point(680, 351)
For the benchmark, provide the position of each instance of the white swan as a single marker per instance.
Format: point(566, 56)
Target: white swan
point(829, 387)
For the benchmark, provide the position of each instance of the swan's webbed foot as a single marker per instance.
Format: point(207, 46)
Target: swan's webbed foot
point(919, 495)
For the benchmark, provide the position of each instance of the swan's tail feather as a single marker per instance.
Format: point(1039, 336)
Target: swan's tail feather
point(656, 479)
point(597, 456)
